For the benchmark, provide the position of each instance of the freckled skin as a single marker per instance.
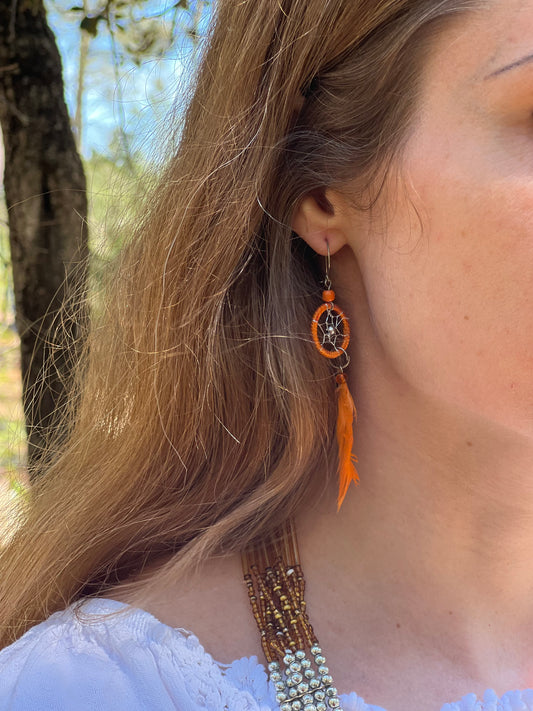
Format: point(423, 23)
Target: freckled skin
point(467, 170)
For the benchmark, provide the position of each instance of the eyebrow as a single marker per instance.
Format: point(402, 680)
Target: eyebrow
point(518, 63)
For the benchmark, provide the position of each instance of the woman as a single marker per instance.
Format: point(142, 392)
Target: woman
point(397, 136)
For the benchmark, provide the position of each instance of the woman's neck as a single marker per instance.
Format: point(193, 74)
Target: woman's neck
point(435, 544)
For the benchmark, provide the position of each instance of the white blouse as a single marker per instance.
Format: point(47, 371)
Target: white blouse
point(86, 659)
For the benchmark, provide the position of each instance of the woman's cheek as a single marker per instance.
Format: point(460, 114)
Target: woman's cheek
point(454, 307)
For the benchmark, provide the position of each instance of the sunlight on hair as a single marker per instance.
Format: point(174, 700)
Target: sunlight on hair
point(13, 495)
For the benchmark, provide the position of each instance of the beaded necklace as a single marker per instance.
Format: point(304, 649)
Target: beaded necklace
point(276, 586)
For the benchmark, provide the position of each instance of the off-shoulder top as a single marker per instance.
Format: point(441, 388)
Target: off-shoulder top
point(86, 658)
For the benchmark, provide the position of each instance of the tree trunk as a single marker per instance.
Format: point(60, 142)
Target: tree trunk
point(47, 207)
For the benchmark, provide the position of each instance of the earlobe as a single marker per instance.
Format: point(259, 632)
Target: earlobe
point(318, 221)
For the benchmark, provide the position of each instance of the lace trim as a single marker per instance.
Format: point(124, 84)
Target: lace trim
point(242, 684)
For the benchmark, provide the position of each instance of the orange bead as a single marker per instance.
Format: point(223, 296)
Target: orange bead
point(328, 295)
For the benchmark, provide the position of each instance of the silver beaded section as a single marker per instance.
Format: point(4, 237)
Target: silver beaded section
point(304, 684)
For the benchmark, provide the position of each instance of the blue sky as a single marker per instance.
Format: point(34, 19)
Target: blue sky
point(143, 95)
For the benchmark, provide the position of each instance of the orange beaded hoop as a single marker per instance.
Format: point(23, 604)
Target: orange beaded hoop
point(332, 328)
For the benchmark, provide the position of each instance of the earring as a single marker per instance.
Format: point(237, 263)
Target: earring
point(331, 335)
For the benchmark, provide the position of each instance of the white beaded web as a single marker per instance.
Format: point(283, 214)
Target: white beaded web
point(330, 330)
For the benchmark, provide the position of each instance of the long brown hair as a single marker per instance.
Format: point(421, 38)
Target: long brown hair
point(205, 415)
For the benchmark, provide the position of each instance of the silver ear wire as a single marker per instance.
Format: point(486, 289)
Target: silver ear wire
point(327, 280)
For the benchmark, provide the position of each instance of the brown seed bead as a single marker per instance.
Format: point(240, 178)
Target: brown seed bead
point(277, 593)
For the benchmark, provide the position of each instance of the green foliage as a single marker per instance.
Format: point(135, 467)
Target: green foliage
point(122, 62)
point(12, 431)
point(140, 30)
point(6, 280)
point(17, 486)
point(112, 195)
point(136, 30)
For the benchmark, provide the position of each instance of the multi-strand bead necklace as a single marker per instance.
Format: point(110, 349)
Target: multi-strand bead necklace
point(296, 664)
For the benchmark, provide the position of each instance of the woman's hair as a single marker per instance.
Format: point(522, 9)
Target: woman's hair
point(205, 415)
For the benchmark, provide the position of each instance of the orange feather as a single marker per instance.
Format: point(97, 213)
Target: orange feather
point(346, 414)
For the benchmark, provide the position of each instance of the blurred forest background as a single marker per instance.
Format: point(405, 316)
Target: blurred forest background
point(124, 63)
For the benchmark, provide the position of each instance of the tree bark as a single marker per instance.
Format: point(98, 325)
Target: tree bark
point(47, 207)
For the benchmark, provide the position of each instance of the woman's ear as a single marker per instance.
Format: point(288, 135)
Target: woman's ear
point(320, 220)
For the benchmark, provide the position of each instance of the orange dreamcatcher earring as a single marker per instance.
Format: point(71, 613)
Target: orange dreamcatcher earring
point(331, 335)
point(272, 571)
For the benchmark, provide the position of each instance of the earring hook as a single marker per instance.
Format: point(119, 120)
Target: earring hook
point(327, 280)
